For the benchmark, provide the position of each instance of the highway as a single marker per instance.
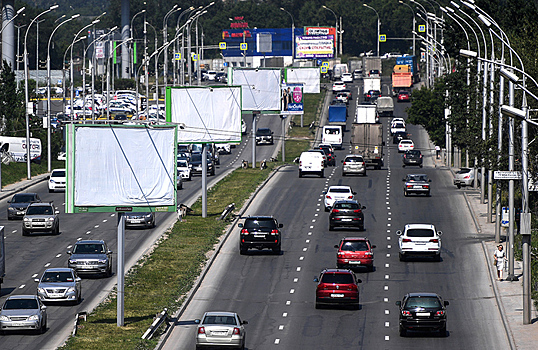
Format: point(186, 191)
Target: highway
point(276, 294)
point(28, 257)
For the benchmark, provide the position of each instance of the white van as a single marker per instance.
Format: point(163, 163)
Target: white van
point(16, 148)
point(311, 163)
point(332, 135)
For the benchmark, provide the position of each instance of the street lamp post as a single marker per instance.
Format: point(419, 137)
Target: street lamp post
point(132, 37)
point(336, 28)
point(378, 26)
point(292, 36)
point(165, 40)
point(414, 23)
point(180, 80)
point(108, 76)
point(48, 90)
point(156, 67)
point(26, 96)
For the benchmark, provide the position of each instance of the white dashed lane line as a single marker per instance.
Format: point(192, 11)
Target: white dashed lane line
point(47, 264)
point(22, 286)
point(59, 255)
point(35, 275)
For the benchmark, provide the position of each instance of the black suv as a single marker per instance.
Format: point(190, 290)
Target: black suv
point(413, 157)
point(19, 203)
point(260, 232)
point(264, 136)
point(422, 312)
point(399, 136)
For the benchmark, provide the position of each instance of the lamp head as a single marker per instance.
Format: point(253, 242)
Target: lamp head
point(455, 5)
point(21, 9)
point(513, 112)
point(508, 75)
point(468, 53)
point(53, 7)
point(484, 20)
point(75, 16)
point(469, 5)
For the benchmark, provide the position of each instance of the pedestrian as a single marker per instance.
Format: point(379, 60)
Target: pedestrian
point(499, 257)
point(438, 151)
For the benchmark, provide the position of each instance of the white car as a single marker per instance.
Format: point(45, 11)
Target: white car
point(419, 240)
point(397, 127)
point(397, 120)
point(405, 145)
point(347, 78)
point(224, 148)
point(211, 75)
point(57, 180)
point(338, 86)
point(184, 169)
point(337, 193)
point(221, 329)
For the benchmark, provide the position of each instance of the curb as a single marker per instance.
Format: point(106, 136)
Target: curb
point(5, 193)
point(208, 265)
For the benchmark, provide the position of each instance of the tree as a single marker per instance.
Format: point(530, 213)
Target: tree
point(11, 103)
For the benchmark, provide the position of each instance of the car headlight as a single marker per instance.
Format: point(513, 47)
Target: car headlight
point(33, 318)
point(41, 290)
point(71, 290)
point(25, 219)
point(102, 261)
point(51, 218)
point(4, 318)
point(52, 181)
point(148, 215)
point(10, 208)
point(72, 261)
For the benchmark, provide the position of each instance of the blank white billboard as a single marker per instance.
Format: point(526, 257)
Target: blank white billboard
point(120, 168)
point(205, 114)
point(261, 88)
point(309, 77)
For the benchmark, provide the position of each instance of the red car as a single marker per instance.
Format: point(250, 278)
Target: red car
point(403, 96)
point(355, 252)
point(337, 286)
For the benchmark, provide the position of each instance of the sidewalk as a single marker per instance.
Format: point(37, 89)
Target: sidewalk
point(11, 189)
point(509, 295)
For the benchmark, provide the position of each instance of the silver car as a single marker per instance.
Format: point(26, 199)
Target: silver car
point(144, 220)
point(59, 285)
point(464, 177)
point(221, 329)
point(41, 217)
point(23, 312)
point(353, 164)
point(90, 257)
point(417, 184)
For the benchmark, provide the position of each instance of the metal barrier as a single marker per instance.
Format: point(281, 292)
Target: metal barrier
point(227, 211)
point(81, 315)
point(162, 317)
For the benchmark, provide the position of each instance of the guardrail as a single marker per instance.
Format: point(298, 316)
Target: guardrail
point(159, 320)
point(227, 211)
point(81, 315)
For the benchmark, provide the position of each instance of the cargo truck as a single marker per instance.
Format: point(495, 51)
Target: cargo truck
point(337, 114)
point(402, 78)
point(338, 69)
point(385, 106)
point(371, 63)
point(410, 61)
point(365, 113)
point(367, 140)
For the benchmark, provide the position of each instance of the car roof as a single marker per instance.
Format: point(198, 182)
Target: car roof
point(219, 313)
point(256, 217)
point(423, 294)
point(345, 201)
point(60, 169)
point(22, 296)
point(340, 187)
point(420, 226)
point(406, 141)
point(342, 271)
point(41, 204)
point(353, 155)
point(95, 241)
point(59, 269)
point(354, 239)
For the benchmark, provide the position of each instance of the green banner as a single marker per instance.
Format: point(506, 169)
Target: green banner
point(114, 54)
point(134, 52)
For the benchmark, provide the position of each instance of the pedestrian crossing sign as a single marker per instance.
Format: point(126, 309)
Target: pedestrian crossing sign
point(324, 69)
point(243, 46)
point(177, 56)
point(382, 38)
point(194, 57)
point(222, 45)
point(422, 28)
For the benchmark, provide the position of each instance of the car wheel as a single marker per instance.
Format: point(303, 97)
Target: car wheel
point(50, 191)
point(242, 250)
point(318, 306)
point(364, 174)
point(420, 165)
point(189, 178)
point(370, 268)
point(405, 193)
point(322, 174)
point(331, 227)
point(442, 332)
point(9, 218)
point(24, 232)
point(109, 271)
point(437, 258)
point(361, 228)
point(403, 332)
point(277, 250)
point(343, 174)
point(327, 209)
point(401, 257)
point(403, 166)
point(79, 299)
point(458, 186)
point(300, 173)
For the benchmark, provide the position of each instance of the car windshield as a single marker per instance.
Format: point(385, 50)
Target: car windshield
point(339, 190)
point(413, 153)
point(58, 173)
point(19, 304)
point(338, 278)
point(354, 160)
point(398, 125)
point(57, 277)
point(182, 164)
point(355, 246)
point(464, 171)
point(417, 178)
point(260, 224)
point(39, 210)
point(218, 319)
point(422, 302)
point(197, 157)
point(346, 205)
point(264, 132)
point(89, 248)
point(23, 198)
point(330, 131)
point(420, 232)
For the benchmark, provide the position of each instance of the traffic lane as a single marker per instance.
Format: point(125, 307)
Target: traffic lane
point(253, 284)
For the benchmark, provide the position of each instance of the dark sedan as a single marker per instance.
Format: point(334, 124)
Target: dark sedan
point(399, 136)
point(346, 213)
point(19, 203)
point(413, 157)
point(422, 312)
point(196, 162)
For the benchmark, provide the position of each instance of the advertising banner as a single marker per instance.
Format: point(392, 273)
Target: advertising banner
point(317, 46)
point(292, 99)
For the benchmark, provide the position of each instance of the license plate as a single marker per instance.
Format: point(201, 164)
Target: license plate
point(55, 296)
point(219, 333)
point(307, 167)
point(346, 219)
point(135, 221)
point(259, 236)
point(419, 187)
point(423, 314)
point(337, 295)
point(354, 262)
point(20, 213)
point(18, 324)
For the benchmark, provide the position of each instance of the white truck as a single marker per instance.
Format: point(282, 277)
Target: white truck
point(366, 113)
point(367, 140)
point(338, 69)
point(372, 84)
point(385, 106)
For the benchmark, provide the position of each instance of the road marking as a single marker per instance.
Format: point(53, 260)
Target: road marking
point(387, 265)
point(79, 239)
point(305, 249)
point(388, 208)
point(285, 314)
point(319, 204)
point(105, 220)
point(316, 214)
point(88, 232)
point(388, 231)
point(307, 241)
point(388, 225)
point(386, 287)
point(388, 255)
point(112, 215)
point(96, 226)
point(386, 300)
point(389, 246)
point(387, 312)
point(34, 275)
point(386, 277)
point(387, 337)
point(22, 286)
point(298, 268)
point(277, 341)
point(318, 209)
point(311, 226)
point(295, 280)
point(288, 302)
point(389, 219)
point(301, 258)
point(310, 233)
point(387, 203)
point(292, 291)
point(388, 238)
point(13, 231)
point(281, 327)
point(387, 324)
point(59, 255)
point(47, 264)
point(389, 213)
point(69, 246)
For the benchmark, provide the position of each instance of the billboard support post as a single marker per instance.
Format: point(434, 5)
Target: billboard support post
point(204, 180)
point(254, 115)
point(283, 118)
point(121, 270)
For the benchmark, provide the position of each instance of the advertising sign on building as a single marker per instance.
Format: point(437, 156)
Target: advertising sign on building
point(314, 46)
point(292, 99)
point(320, 31)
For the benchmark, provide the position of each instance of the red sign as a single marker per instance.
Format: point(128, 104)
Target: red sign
point(239, 25)
point(226, 34)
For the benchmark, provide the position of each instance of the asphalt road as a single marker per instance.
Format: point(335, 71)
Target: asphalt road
point(276, 294)
point(28, 257)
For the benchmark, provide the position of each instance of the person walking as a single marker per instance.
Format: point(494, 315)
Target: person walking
point(438, 152)
point(500, 257)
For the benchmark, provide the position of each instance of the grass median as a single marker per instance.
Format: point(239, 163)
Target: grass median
point(163, 278)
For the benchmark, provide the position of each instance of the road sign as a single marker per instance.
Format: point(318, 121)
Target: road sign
point(177, 56)
point(505, 217)
point(382, 38)
point(324, 69)
point(325, 64)
point(421, 28)
point(507, 175)
point(243, 46)
point(222, 45)
point(194, 57)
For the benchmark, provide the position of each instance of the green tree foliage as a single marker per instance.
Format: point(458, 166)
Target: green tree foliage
point(11, 103)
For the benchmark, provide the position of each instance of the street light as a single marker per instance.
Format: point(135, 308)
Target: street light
point(12, 18)
point(132, 37)
point(165, 40)
point(336, 29)
point(26, 97)
point(378, 25)
point(180, 80)
point(414, 23)
point(292, 36)
point(108, 78)
point(48, 90)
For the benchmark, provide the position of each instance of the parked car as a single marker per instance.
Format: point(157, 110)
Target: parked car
point(353, 164)
point(422, 312)
point(404, 96)
point(57, 180)
point(413, 157)
point(399, 136)
point(60, 284)
point(23, 312)
point(346, 213)
point(19, 203)
point(417, 184)
point(405, 145)
point(264, 136)
point(419, 240)
point(337, 193)
point(464, 177)
point(141, 219)
point(221, 329)
point(355, 252)
point(260, 232)
point(337, 286)
point(184, 169)
point(90, 257)
point(41, 217)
